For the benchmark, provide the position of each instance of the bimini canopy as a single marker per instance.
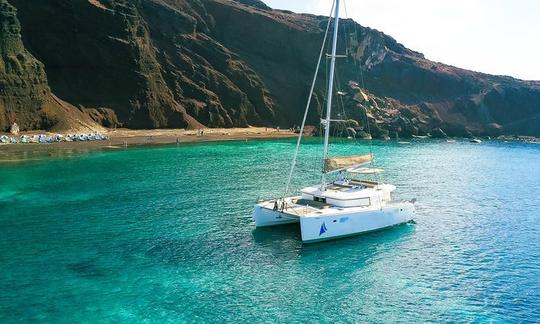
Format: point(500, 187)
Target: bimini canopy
point(345, 162)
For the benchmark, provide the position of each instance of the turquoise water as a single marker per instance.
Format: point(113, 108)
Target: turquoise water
point(165, 235)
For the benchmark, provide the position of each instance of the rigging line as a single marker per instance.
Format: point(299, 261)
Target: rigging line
point(334, 103)
point(346, 36)
point(360, 69)
point(325, 98)
point(344, 116)
point(340, 105)
point(330, 95)
point(295, 157)
point(339, 88)
point(340, 128)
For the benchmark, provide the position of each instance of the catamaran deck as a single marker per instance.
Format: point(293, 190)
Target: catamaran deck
point(298, 207)
point(302, 207)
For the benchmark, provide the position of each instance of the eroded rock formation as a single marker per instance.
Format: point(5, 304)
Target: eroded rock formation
point(225, 63)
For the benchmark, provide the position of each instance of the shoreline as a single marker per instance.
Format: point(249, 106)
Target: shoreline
point(124, 138)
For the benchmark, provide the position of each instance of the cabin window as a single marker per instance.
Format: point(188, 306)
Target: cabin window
point(320, 199)
point(363, 202)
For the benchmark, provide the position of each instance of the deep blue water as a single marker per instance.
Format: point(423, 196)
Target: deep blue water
point(165, 235)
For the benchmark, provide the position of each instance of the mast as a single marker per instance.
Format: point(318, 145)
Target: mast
point(326, 122)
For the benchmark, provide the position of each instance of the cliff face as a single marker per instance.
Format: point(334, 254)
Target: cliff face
point(224, 63)
point(151, 63)
point(25, 96)
point(407, 94)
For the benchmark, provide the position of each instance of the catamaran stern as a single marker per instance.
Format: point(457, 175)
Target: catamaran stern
point(264, 215)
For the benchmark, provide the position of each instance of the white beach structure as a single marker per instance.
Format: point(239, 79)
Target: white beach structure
point(349, 204)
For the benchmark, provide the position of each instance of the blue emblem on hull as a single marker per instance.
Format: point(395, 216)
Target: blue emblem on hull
point(323, 229)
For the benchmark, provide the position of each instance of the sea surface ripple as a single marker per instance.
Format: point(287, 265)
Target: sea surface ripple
point(165, 235)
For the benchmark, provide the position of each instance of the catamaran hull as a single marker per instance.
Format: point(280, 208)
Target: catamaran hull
point(265, 217)
point(328, 227)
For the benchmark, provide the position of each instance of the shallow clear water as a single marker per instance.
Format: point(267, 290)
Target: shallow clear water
point(165, 234)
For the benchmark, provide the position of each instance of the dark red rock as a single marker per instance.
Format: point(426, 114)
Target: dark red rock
point(224, 63)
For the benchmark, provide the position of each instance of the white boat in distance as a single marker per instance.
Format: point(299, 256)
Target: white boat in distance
point(344, 203)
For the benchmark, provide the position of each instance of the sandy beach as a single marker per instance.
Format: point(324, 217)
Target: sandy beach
point(122, 138)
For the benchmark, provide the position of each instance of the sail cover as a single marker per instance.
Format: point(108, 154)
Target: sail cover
point(344, 162)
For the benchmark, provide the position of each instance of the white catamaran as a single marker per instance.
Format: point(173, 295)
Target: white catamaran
point(346, 206)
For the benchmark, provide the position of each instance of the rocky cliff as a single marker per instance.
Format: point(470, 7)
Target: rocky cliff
point(225, 63)
point(25, 96)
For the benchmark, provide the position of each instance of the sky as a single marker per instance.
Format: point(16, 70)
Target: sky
point(492, 36)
